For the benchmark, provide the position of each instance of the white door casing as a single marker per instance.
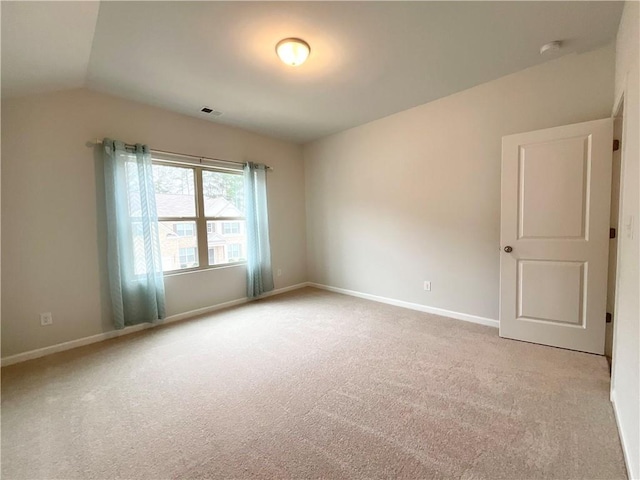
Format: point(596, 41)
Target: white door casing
point(555, 202)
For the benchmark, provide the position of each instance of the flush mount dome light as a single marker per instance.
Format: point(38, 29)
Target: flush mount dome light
point(551, 47)
point(293, 51)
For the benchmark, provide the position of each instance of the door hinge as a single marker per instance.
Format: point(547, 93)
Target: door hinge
point(609, 317)
point(616, 145)
point(612, 233)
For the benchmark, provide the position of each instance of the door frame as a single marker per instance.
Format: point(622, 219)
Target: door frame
point(618, 111)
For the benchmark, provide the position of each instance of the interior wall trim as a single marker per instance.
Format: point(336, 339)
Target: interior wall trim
point(100, 337)
point(625, 450)
point(412, 306)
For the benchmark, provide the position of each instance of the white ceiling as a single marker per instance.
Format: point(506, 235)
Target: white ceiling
point(46, 45)
point(368, 59)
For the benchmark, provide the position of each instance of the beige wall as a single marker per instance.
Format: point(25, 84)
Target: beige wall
point(53, 248)
point(416, 196)
point(626, 348)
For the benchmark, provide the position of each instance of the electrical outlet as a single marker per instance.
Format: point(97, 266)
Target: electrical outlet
point(279, 273)
point(46, 319)
point(427, 286)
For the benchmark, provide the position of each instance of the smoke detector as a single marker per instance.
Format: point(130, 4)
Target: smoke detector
point(211, 111)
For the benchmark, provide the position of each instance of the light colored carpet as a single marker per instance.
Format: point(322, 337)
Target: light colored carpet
point(311, 384)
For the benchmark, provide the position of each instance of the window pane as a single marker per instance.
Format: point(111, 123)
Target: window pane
point(226, 241)
point(185, 229)
point(223, 194)
point(175, 191)
point(178, 245)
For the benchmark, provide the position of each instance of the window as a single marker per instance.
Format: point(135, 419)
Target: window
point(200, 215)
point(188, 257)
point(231, 228)
point(185, 229)
point(234, 251)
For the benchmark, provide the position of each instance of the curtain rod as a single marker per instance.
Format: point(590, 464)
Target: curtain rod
point(164, 152)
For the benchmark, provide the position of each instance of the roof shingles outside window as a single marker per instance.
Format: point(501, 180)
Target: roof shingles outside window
point(183, 206)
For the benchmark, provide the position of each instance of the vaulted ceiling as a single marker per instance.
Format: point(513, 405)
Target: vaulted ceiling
point(368, 59)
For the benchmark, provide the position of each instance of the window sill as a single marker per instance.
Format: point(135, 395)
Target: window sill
point(186, 271)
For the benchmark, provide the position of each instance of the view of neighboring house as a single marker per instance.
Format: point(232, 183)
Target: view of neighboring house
point(226, 234)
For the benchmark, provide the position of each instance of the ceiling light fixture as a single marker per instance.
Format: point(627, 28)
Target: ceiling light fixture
point(293, 51)
point(551, 47)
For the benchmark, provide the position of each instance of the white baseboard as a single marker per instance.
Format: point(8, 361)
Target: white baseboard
point(200, 311)
point(284, 290)
point(81, 342)
point(100, 337)
point(413, 306)
point(625, 444)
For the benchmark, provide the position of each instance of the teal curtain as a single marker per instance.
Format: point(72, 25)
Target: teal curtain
point(135, 269)
point(259, 275)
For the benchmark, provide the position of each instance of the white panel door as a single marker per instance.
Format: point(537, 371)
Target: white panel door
point(555, 235)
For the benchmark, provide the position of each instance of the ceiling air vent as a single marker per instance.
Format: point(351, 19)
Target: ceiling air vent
point(210, 111)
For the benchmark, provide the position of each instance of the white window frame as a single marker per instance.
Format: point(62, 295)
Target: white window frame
point(200, 219)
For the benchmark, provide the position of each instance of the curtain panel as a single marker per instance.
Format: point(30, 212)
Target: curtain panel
point(259, 274)
point(136, 281)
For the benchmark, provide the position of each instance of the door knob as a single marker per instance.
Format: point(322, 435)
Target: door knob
point(508, 249)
